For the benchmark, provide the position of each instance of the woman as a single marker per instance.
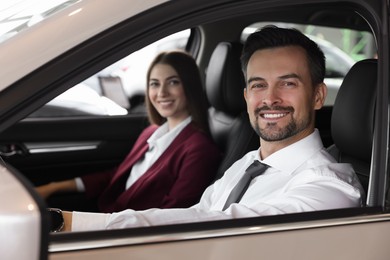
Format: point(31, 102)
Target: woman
point(173, 160)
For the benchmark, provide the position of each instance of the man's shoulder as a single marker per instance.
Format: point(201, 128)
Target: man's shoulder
point(324, 165)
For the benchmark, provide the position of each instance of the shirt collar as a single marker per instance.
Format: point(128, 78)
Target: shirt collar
point(164, 135)
point(291, 157)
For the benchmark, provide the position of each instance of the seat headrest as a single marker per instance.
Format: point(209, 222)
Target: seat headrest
point(354, 110)
point(225, 81)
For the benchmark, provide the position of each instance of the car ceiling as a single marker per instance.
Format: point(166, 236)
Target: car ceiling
point(335, 15)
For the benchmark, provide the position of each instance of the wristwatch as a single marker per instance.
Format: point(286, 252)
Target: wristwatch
point(57, 219)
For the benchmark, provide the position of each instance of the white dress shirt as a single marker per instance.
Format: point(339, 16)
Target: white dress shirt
point(158, 143)
point(301, 177)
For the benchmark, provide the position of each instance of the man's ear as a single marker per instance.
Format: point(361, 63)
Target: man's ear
point(321, 91)
point(245, 94)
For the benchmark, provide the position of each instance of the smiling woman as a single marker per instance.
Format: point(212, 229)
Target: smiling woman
point(166, 94)
point(168, 165)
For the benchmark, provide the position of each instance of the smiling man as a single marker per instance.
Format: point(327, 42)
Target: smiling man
point(291, 171)
point(281, 96)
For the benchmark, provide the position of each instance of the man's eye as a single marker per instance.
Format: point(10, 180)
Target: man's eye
point(289, 84)
point(258, 86)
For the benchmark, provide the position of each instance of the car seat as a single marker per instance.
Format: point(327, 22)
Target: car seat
point(228, 119)
point(352, 122)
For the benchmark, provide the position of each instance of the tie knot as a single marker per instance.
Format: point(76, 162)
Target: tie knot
point(256, 168)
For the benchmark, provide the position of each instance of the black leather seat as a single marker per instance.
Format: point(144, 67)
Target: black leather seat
point(229, 123)
point(352, 122)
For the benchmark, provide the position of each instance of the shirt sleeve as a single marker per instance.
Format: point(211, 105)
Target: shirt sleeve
point(79, 184)
point(152, 217)
point(299, 200)
point(309, 192)
point(82, 221)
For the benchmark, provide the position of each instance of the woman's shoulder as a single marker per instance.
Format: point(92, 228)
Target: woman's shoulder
point(149, 130)
point(194, 136)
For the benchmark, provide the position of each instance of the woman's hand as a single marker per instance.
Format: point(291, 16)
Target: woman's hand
point(62, 186)
point(46, 190)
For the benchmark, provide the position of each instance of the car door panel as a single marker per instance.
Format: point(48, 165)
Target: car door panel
point(53, 149)
point(314, 238)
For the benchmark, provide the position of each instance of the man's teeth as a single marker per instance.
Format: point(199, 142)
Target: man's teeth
point(274, 115)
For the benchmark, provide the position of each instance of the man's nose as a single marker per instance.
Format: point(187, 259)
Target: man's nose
point(271, 97)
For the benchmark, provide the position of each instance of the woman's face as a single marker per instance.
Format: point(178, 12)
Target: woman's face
point(166, 94)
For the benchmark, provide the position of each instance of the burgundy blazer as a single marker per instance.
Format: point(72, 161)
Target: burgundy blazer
point(177, 179)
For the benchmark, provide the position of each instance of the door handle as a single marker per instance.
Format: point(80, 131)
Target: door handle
point(9, 150)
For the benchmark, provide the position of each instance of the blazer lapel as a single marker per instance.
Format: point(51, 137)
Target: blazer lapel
point(127, 164)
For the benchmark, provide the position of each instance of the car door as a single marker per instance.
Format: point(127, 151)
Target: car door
point(335, 234)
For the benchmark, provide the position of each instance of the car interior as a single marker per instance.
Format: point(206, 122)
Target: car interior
point(218, 58)
point(356, 102)
point(229, 122)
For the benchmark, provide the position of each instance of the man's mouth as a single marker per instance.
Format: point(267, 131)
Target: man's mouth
point(273, 112)
point(273, 115)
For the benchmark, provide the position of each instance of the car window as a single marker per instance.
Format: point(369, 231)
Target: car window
point(116, 90)
point(342, 48)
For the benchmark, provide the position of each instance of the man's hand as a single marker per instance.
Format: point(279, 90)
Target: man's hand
point(67, 220)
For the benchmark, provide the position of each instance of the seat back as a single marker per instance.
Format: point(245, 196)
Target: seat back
point(229, 123)
point(352, 122)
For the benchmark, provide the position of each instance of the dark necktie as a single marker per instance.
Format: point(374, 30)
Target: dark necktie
point(255, 169)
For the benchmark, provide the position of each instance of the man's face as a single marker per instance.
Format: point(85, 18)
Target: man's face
point(279, 94)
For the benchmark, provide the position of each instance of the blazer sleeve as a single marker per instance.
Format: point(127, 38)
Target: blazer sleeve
point(96, 182)
point(197, 168)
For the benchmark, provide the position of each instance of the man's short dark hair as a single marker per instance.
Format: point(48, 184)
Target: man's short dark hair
point(272, 37)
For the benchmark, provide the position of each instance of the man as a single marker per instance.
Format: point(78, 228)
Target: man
point(284, 73)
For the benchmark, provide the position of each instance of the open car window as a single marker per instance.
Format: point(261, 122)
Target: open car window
point(119, 89)
point(125, 74)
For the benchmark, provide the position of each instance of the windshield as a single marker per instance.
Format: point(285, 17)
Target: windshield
point(15, 16)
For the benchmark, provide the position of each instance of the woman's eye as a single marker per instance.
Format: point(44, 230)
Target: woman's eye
point(153, 84)
point(174, 82)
